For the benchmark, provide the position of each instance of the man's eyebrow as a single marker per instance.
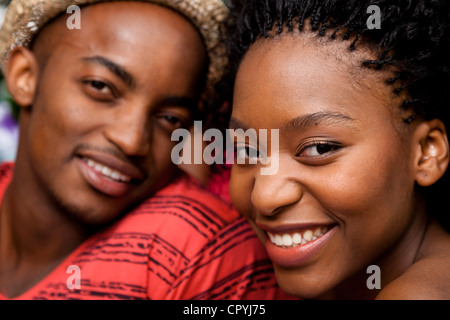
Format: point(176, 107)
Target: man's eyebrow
point(313, 119)
point(114, 68)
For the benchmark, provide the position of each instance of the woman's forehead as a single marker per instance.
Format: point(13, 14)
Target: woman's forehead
point(289, 73)
point(295, 43)
point(302, 62)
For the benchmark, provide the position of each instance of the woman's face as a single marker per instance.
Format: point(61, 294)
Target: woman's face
point(343, 194)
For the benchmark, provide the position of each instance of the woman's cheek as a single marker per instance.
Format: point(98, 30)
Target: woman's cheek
point(240, 191)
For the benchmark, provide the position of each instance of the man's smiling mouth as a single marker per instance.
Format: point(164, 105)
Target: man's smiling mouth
point(107, 171)
point(108, 174)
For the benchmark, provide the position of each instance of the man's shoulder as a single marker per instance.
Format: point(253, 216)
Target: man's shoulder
point(183, 210)
point(188, 188)
point(236, 262)
point(185, 195)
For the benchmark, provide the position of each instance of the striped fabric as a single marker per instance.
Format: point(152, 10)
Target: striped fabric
point(183, 243)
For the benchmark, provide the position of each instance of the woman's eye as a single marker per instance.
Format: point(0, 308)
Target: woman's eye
point(318, 149)
point(246, 155)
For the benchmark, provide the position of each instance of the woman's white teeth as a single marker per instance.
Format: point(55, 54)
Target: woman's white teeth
point(107, 172)
point(308, 235)
point(287, 240)
point(297, 238)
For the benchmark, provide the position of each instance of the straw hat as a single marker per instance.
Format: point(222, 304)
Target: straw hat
point(25, 18)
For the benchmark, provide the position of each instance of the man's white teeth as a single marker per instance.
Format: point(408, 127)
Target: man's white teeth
point(107, 172)
point(297, 238)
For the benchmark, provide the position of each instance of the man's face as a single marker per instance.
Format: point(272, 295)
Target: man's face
point(98, 135)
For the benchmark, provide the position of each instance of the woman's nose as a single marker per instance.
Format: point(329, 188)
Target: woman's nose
point(271, 192)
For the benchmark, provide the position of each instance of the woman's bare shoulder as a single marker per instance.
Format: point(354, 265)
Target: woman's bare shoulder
point(429, 277)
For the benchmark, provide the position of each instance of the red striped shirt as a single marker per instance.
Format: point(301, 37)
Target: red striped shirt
point(183, 243)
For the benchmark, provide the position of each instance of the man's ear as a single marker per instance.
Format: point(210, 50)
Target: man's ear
point(22, 76)
point(432, 152)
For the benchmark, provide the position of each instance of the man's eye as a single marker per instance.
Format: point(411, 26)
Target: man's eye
point(318, 149)
point(172, 120)
point(100, 86)
point(99, 90)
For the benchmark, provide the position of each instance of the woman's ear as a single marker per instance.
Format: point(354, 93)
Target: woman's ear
point(22, 76)
point(432, 152)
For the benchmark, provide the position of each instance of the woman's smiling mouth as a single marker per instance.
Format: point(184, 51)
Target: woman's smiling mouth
point(295, 248)
point(294, 239)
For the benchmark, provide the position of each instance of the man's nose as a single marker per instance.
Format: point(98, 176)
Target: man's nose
point(131, 132)
point(272, 192)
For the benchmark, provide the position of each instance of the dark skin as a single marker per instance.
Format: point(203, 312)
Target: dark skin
point(98, 108)
point(348, 166)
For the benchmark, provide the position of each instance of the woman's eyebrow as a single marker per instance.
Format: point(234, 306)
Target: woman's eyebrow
point(313, 119)
point(304, 121)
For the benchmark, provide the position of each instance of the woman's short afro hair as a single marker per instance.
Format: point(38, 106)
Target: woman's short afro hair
point(413, 38)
